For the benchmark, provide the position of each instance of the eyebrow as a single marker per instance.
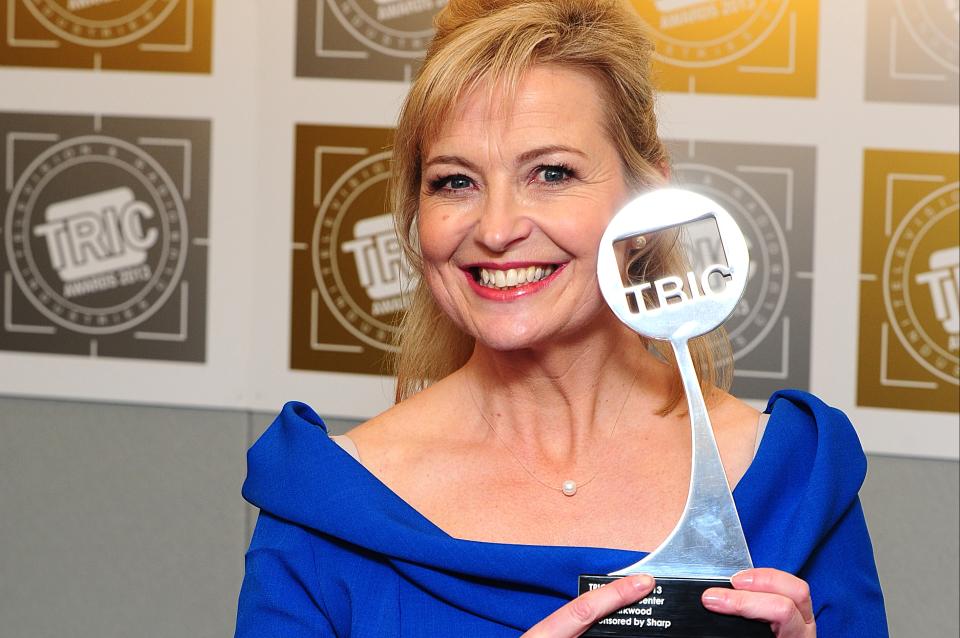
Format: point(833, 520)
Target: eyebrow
point(452, 159)
point(523, 158)
point(548, 150)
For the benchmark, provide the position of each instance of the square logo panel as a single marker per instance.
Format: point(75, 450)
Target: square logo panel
point(910, 282)
point(769, 190)
point(104, 236)
point(747, 47)
point(132, 35)
point(912, 51)
point(363, 39)
point(349, 274)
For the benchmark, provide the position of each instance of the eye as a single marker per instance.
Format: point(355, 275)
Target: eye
point(456, 182)
point(554, 174)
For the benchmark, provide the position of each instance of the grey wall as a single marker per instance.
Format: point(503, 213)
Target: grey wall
point(119, 521)
point(912, 510)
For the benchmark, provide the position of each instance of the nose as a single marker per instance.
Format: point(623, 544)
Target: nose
point(503, 221)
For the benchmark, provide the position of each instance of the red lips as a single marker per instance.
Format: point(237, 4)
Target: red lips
point(516, 292)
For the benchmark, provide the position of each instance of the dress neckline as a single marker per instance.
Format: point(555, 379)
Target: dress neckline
point(351, 459)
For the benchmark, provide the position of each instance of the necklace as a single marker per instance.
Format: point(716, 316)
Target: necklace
point(568, 487)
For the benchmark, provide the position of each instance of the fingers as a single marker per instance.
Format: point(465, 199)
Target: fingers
point(774, 581)
point(770, 595)
point(580, 613)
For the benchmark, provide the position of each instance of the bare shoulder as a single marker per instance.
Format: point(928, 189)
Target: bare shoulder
point(729, 412)
point(409, 431)
point(735, 425)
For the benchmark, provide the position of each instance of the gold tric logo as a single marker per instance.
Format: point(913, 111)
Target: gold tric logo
point(142, 35)
point(381, 267)
point(357, 259)
point(350, 277)
point(943, 280)
point(921, 283)
point(910, 284)
point(758, 47)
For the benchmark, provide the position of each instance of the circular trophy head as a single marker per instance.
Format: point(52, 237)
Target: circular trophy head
point(674, 306)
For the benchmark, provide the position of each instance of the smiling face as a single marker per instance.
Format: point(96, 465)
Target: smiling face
point(512, 206)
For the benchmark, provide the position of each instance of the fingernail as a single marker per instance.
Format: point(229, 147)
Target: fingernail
point(711, 599)
point(744, 579)
point(642, 582)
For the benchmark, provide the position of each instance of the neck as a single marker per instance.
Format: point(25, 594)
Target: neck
point(558, 402)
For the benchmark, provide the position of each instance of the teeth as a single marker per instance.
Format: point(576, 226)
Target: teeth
point(514, 276)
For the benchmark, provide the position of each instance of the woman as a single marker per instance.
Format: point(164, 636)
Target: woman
point(533, 432)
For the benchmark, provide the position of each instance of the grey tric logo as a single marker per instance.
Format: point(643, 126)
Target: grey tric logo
point(98, 241)
point(758, 312)
point(375, 39)
point(392, 27)
point(913, 51)
point(104, 236)
point(933, 26)
point(769, 192)
point(103, 261)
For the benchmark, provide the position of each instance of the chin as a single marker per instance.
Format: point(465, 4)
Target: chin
point(517, 338)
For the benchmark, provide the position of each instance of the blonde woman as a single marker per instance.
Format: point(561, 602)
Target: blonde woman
point(534, 437)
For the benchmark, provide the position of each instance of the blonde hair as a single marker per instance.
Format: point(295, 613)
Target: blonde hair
point(494, 42)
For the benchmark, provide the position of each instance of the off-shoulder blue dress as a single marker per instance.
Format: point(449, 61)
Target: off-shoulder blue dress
point(337, 553)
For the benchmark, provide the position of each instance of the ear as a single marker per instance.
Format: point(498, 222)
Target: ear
point(664, 167)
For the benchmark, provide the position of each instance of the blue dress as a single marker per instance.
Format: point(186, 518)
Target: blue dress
point(337, 553)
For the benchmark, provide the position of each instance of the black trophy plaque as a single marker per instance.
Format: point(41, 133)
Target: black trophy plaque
point(673, 610)
point(707, 546)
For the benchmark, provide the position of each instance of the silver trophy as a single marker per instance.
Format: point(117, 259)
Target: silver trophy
point(707, 546)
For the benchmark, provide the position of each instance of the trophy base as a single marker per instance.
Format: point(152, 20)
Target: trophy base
point(673, 610)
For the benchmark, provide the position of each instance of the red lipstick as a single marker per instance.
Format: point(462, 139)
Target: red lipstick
point(516, 292)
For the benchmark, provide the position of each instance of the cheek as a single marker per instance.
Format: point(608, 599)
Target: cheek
point(443, 291)
point(435, 285)
point(580, 234)
point(439, 236)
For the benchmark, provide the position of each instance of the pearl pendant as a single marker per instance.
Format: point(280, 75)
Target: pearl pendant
point(569, 488)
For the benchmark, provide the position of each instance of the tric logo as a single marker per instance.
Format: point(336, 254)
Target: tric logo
point(99, 241)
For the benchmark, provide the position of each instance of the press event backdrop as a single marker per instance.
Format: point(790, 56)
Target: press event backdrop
point(193, 200)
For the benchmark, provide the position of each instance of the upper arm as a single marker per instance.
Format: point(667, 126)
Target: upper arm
point(844, 584)
point(280, 596)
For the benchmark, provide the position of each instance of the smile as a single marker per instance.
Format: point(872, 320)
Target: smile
point(512, 277)
point(508, 281)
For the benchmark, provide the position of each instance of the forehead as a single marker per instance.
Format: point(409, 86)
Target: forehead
point(549, 104)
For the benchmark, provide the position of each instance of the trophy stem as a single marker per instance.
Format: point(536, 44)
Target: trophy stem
point(707, 546)
point(708, 541)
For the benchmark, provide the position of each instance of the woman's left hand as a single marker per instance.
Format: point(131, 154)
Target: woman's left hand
point(770, 595)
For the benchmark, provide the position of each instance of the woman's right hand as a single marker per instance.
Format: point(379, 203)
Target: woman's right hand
point(579, 614)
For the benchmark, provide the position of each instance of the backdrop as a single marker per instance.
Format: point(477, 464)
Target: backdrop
point(189, 229)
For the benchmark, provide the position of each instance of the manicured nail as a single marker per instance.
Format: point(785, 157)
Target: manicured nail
point(642, 582)
point(714, 600)
point(743, 579)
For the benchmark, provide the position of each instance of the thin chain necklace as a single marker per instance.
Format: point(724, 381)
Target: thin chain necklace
point(568, 487)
